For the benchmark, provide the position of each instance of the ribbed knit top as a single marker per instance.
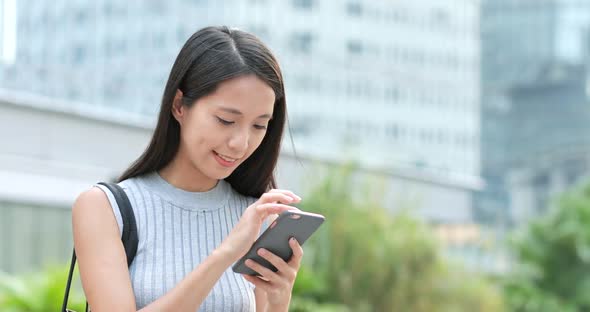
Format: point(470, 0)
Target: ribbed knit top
point(177, 230)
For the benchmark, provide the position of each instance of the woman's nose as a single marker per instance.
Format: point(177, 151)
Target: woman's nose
point(239, 142)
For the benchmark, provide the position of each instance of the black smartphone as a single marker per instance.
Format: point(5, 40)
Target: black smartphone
point(290, 223)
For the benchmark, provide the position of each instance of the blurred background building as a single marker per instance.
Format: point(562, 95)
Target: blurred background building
point(403, 74)
point(551, 147)
point(393, 87)
point(534, 105)
point(473, 110)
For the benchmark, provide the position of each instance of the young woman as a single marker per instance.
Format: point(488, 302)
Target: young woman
point(200, 192)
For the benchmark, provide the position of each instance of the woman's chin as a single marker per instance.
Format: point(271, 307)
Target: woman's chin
point(221, 174)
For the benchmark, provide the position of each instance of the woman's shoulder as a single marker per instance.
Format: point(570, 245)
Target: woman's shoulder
point(91, 204)
point(92, 195)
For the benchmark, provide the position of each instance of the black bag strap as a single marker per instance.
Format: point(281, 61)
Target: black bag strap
point(128, 237)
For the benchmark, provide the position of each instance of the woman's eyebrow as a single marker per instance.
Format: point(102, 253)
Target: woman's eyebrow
point(237, 112)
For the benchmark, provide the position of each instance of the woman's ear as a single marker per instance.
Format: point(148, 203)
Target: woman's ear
point(178, 110)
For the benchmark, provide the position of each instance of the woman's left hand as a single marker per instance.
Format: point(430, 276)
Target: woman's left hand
point(277, 285)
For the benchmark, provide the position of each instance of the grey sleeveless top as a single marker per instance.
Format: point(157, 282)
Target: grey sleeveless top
point(177, 230)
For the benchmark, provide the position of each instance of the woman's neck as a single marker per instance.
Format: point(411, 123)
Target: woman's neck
point(183, 175)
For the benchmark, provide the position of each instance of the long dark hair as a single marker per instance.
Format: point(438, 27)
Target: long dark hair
point(209, 57)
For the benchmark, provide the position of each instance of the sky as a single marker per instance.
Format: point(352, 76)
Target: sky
point(8, 31)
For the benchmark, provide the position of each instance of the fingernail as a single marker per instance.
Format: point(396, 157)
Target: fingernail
point(293, 239)
point(261, 251)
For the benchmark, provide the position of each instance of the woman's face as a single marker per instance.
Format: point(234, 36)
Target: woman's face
point(221, 130)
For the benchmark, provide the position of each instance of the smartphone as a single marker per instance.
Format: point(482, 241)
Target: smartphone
point(290, 223)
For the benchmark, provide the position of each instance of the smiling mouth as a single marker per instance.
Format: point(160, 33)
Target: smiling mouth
point(226, 158)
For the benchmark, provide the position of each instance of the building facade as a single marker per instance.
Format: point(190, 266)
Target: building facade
point(533, 80)
point(391, 84)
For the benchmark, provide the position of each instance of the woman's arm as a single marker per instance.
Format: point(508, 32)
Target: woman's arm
point(261, 300)
point(103, 265)
point(101, 256)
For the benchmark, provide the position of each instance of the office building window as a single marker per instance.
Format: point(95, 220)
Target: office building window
point(303, 4)
point(440, 18)
point(81, 16)
point(354, 47)
point(391, 94)
point(354, 9)
point(79, 54)
point(301, 42)
point(392, 131)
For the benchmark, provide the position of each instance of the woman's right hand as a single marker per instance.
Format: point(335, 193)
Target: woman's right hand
point(247, 230)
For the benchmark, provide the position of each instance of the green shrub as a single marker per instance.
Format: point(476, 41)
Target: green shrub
point(370, 260)
point(38, 291)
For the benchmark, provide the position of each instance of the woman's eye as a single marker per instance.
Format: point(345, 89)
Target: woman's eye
point(259, 127)
point(224, 122)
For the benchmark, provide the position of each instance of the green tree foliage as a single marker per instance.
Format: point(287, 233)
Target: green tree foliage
point(553, 259)
point(369, 260)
